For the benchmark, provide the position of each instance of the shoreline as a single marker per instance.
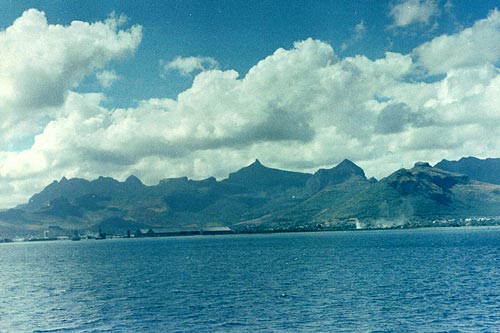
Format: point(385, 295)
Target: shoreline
point(114, 237)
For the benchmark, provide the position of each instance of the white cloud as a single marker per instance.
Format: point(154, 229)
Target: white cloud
point(474, 46)
point(292, 98)
point(300, 108)
point(409, 12)
point(395, 118)
point(42, 62)
point(188, 65)
point(359, 30)
point(360, 27)
point(106, 78)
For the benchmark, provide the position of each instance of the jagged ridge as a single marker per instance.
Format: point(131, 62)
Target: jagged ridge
point(257, 198)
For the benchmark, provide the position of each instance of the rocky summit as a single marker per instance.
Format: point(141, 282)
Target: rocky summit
point(257, 198)
point(487, 170)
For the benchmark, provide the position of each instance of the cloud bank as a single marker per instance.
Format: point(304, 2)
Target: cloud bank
point(299, 108)
point(474, 46)
point(40, 63)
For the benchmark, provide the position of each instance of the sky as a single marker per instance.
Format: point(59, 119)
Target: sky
point(164, 89)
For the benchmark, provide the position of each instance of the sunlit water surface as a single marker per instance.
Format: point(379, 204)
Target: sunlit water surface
point(429, 280)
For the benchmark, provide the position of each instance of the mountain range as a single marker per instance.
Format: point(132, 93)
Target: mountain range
point(257, 198)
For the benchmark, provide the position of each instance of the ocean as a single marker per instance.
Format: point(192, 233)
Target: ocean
point(421, 280)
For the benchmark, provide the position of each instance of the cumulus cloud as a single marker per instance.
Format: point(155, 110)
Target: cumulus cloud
point(106, 78)
point(409, 12)
point(474, 46)
point(42, 62)
point(293, 97)
point(300, 108)
point(395, 118)
point(188, 65)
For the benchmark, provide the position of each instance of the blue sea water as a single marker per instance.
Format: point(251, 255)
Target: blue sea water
point(427, 280)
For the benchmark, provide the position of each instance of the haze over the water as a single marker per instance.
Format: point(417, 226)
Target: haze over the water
point(199, 89)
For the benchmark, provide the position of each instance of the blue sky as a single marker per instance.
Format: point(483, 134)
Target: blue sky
point(200, 88)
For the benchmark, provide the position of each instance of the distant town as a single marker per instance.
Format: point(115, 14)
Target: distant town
point(56, 233)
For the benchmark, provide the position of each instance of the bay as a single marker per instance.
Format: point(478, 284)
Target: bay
point(421, 280)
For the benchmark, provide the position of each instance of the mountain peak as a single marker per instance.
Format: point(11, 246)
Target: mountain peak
point(133, 181)
point(344, 171)
point(422, 165)
point(258, 175)
point(423, 178)
point(255, 165)
point(257, 162)
point(346, 162)
point(348, 165)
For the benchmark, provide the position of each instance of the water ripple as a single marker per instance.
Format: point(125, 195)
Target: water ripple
point(380, 281)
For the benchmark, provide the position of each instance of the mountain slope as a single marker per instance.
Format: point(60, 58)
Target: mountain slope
point(257, 198)
point(325, 190)
point(336, 175)
point(251, 192)
point(487, 170)
point(422, 193)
